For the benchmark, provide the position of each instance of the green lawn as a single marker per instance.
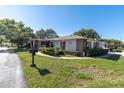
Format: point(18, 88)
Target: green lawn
point(50, 72)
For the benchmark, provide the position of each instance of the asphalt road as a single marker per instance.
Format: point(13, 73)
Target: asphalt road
point(11, 73)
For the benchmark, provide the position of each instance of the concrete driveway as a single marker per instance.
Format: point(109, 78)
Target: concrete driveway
point(11, 73)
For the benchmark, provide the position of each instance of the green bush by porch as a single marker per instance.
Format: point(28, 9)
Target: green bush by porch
point(58, 52)
point(52, 51)
point(95, 52)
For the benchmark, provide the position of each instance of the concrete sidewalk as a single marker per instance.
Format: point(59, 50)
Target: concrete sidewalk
point(41, 54)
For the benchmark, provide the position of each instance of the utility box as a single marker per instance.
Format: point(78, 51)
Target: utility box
point(33, 48)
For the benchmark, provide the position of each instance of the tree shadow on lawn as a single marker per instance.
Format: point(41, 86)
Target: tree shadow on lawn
point(114, 57)
point(42, 72)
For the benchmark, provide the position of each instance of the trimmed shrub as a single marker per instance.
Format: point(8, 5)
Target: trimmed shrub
point(60, 52)
point(49, 51)
point(74, 53)
point(95, 52)
point(52, 51)
point(119, 49)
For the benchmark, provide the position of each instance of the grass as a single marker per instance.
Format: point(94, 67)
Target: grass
point(87, 76)
point(60, 73)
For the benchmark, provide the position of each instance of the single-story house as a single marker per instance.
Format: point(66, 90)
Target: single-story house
point(78, 43)
point(71, 43)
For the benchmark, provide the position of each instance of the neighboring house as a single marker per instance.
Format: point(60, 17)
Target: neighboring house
point(103, 45)
point(2, 36)
point(8, 44)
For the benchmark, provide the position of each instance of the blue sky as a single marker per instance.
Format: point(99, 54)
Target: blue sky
point(108, 21)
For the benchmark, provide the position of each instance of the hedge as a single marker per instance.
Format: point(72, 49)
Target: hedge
point(58, 52)
point(74, 53)
point(119, 49)
point(95, 52)
point(52, 51)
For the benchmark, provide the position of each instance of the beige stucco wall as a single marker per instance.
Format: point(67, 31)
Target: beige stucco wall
point(70, 45)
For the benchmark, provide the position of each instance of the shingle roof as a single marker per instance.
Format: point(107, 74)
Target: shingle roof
point(69, 37)
point(42, 39)
point(73, 37)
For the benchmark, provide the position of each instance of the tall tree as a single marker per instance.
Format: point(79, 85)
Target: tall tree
point(48, 33)
point(89, 33)
point(41, 34)
point(16, 32)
